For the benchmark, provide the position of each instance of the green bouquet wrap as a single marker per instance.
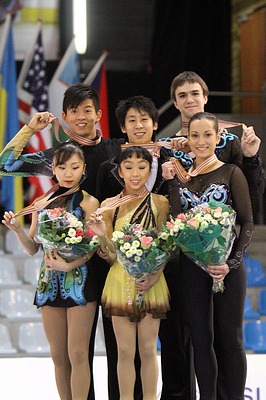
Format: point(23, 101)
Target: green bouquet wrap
point(205, 234)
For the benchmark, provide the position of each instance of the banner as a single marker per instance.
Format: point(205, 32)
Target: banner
point(11, 188)
point(33, 97)
point(98, 80)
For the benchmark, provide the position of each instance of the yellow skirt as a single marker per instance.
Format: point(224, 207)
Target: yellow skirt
point(119, 294)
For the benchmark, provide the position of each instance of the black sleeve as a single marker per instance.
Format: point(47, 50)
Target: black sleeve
point(254, 172)
point(174, 197)
point(242, 205)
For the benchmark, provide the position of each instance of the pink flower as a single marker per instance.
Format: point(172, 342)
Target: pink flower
point(146, 241)
point(170, 224)
point(182, 217)
point(193, 222)
point(56, 212)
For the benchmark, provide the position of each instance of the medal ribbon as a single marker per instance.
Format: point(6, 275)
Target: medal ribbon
point(185, 176)
point(45, 199)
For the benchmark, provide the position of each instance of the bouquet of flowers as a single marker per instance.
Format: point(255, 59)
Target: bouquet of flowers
point(142, 252)
point(205, 234)
point(63, 231)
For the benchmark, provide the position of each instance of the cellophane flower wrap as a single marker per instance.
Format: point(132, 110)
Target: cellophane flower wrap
point(62, 230)
point(205, 234)
point(142, 252)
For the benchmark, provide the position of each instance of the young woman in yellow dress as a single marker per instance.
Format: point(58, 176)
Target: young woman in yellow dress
point(134, 205)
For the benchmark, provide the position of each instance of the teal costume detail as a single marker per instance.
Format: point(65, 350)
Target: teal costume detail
point(65, 289)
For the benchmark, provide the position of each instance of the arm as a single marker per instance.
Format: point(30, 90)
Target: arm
point(26, 241)
point(242, 205)
point(54, 261)
point(143, 284)
point(252, 162)
point(102, 227)
point(12, 162)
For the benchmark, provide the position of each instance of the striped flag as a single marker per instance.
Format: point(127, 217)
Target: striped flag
point(11, 187)
point(98, 80)
point(67, 73)
point(33, 97)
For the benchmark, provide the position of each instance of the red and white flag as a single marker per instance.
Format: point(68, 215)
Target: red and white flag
point(32, 93)
point(98, 80)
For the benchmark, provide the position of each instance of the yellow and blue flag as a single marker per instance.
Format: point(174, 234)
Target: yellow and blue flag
point(11, 188)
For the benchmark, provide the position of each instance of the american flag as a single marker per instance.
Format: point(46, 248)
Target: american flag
point(33, 97)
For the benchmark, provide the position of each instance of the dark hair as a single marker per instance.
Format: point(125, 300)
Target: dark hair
point(138, 151)
point(66, 150)
point(77, 93)
point(190, 77)
point(140, 103)
point(204, 115)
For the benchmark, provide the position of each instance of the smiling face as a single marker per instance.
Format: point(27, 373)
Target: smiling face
point(203, 138)
point(139, 126)
point(70, 172)
point(189, 100)
point(83, 118)
point(135, 172)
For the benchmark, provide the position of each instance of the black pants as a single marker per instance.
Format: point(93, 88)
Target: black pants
point(178, 378)
point(220, 367)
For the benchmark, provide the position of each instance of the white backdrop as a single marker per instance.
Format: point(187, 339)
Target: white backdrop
point(31, 378)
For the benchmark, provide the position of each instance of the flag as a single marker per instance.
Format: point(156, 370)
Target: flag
point(66, 75)
point(11, 187)
point(33, 97)
point(98, 80)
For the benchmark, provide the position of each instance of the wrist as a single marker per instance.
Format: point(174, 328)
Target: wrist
point(32, 129)
point(254, 160)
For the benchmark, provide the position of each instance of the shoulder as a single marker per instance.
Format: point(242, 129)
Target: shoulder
point(160, 200)
point(89, 200)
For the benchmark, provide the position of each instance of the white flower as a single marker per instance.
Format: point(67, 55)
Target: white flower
point(164, 235)
point(126, 246)
point(204, 224)
point(78, 239)
point(137, 258)
point(129, 253)
point(67, 240)
point(71, 232)
point(139, 252)
point(135, 243)
point(95, 240)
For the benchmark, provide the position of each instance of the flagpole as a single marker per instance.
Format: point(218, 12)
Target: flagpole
point(94, 71)
point(4, 36)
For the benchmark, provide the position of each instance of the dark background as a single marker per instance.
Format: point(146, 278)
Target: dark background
point(150, 42)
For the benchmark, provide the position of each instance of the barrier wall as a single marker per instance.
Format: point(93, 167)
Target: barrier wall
point(31, 378)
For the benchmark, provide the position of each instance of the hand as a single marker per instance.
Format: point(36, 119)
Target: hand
point(250, 142)
point(181, 143)
point(218, 272)
point(53, 261)
point(40, 120)
point(11, 222)
point(97, 225)
point(144, 283)
point(168, 171)
point(103, 254)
